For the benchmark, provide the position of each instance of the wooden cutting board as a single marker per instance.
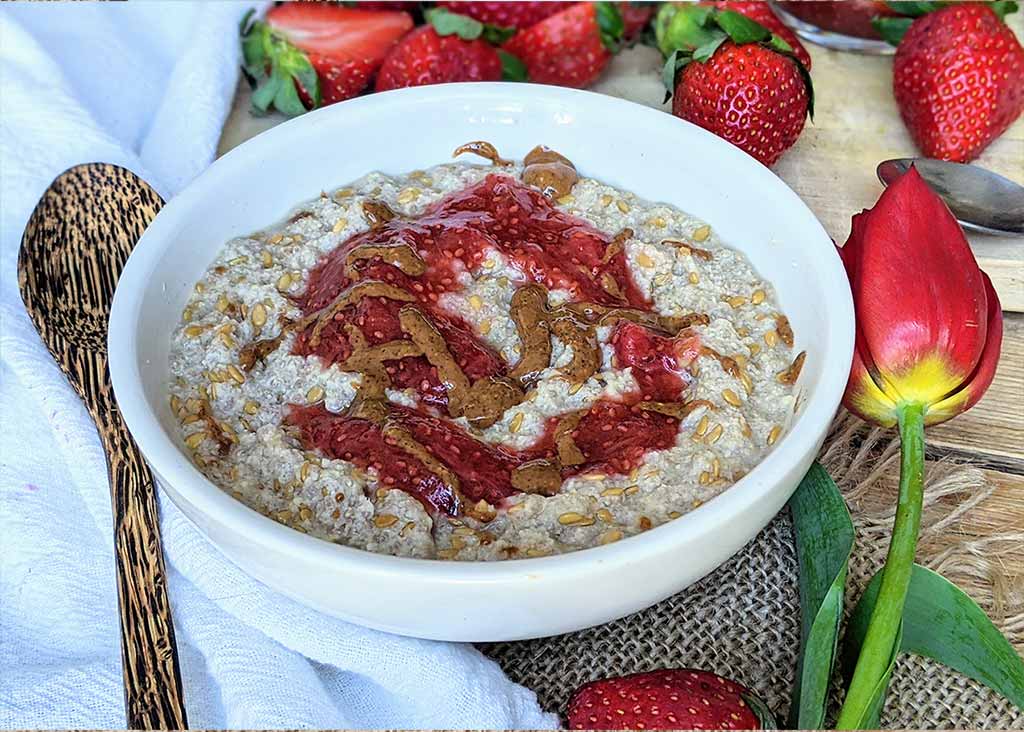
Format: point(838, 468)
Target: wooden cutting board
point(832, 166)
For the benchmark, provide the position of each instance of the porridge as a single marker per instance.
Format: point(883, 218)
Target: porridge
point(481, 362)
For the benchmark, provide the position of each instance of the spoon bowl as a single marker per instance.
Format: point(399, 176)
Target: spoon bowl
point(980, 199)
point(72, 252)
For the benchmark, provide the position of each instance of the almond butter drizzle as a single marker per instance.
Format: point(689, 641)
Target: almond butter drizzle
point(401, 256)
point(483, 149)
point(788, 376)
point(679, 410)
point(553, 173)
point(784, 330)
point(377, 213)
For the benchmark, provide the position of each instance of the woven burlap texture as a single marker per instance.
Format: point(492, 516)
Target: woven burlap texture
point(743, 620)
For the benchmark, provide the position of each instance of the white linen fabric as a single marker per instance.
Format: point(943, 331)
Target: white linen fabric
point(148, 86)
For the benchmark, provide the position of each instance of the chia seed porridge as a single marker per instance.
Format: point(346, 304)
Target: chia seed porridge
point(481, 362)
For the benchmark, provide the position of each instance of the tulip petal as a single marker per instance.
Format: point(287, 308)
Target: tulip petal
point(864, 398)
point(977, 384)
point(918, 292)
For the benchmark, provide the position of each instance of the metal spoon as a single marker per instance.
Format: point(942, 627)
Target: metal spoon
point(980, 199)
point(72, 252)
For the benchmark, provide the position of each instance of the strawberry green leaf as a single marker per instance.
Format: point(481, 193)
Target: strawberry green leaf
point(824, 539)
point(287, 99)
point(610, 24)
point(496, 34)
point(684, 28)
point(264, 95)
point(296, 64)
point(1002, 8)
point(892, 30)
point(780, 45)
point(256, 47)
point(447, 23)
point(913, 9)
point(512, 68)
point(706, 51)
point(740, 28)
point(243, 24)
point(942, 622)
point(805, 74)
point(675, 61)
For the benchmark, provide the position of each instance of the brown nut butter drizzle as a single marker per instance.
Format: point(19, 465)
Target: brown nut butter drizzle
point(484, 401)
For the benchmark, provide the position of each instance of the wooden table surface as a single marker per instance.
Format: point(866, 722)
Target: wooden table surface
point(856, 125)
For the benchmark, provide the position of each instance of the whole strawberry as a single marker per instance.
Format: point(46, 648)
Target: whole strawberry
point(958, 79)
point(669, 699)
point(308, 54)
point(735, 78)
point(426, 57)
point(761, 12)
point(505, 13)
point(572, 47)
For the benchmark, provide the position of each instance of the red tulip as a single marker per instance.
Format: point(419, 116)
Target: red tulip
point(929, 328)
point(929, 325)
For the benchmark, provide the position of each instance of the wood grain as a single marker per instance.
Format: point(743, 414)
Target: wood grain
point(72, 253)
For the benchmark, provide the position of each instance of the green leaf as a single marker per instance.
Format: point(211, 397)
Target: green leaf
point(740, 28)
point(1002, 8)
point(708, 49)
point(914, 9)
point(805, 74)
point(892, 30)
point(780, 45)
point(496, 34)
point(824, 539)
point(243, 24)
point(610, 23)
point(265, 92)
point(287, 99)
point(683, 28)
point(256, 44)
point(512, 68)
point(447, 23)
point(942, 622)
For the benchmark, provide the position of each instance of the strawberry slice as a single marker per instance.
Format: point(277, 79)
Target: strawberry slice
point(308, 54)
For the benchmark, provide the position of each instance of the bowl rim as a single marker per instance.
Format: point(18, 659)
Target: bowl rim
point(171, 465)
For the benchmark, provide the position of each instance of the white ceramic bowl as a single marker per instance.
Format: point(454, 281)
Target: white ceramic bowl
point(653, 154)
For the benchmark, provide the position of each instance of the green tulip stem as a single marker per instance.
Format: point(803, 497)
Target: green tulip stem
point(883, 628)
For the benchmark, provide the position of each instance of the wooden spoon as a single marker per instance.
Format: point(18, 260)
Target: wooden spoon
point(72, 252)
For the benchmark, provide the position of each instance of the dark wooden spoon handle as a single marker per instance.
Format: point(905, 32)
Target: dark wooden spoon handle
point(152, 680)
point(72, 252)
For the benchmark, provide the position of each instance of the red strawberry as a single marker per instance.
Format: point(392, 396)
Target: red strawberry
point(386, 5)
point(507, 14)
point(571, 47)
point(634, 18)
point(424, 57)
point(761, 12)
point(323, 51)
point(669, 699)
point(958, 78)
point(748, 94)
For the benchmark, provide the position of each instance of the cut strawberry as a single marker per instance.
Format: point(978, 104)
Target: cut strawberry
point(308, 54)
point(572, 47)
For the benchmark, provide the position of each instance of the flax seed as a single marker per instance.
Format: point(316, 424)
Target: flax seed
point(705, 477)
point(771, 338)
point(644, 261)
point(475, 302)
point(567, 199)
point(339, 225)
point(195, 439)
point(408, 195)
point(730, 396)
point(702, 426)
point(238, 260)
point(693, 277)
point(251, 407)
point(284, 282)
point(773, 435)
point(702, 233)
point(258, 316)
point(266, 259)
point(315, 394)
point(622, 206)
point(610, 536)
point(235, 374)
point(571, 518)
point(608, 492)
point(632, 489)
point(736, 301)
point(714, 434)
point(757, 297)
point(606, 200)
point(276, 239)
point(194, 330)
point(605, 515)
point(384, 520)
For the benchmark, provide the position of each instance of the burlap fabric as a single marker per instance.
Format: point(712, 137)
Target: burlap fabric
point(743, 620)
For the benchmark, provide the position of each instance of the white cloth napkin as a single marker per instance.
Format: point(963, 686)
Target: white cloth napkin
point(148, 86)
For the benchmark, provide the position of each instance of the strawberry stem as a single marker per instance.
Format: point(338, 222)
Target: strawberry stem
point(883, 628)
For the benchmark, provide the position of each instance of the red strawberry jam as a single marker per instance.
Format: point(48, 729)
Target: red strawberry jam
point(657, 361)
point(454, 235)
